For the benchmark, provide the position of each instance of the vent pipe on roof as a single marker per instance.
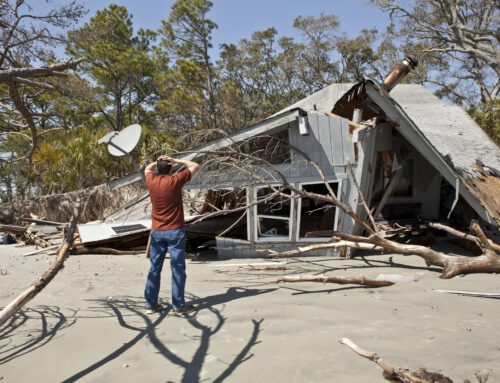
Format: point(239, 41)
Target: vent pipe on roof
point(399, 72)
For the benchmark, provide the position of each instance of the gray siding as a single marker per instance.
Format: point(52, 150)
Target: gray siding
point(228, 248)
point(328, 144)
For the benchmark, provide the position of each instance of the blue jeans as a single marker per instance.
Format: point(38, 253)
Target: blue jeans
point(173, 241)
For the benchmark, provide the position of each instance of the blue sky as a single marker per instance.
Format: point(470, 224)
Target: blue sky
point(237, 19)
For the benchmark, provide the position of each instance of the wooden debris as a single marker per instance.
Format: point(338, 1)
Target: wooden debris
point(53, 247)
point(103, 250)
point(36, 287)
point(43, 222)
point(33, 239)
point(396, 374)
point(13, 229)
point(339, 280)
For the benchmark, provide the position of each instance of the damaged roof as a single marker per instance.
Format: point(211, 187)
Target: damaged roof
point(448, 127)
point(447, 130)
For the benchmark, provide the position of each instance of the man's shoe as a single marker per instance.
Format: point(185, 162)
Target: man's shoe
point(154, 310)
point(182, 311)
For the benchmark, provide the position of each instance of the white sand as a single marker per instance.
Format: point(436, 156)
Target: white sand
point(89, 324)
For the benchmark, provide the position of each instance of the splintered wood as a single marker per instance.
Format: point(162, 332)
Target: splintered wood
point(486, 187)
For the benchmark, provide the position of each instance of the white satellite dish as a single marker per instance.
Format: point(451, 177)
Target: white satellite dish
point(123, 142)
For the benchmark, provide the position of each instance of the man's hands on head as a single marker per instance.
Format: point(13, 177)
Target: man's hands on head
point(190, 165)
point(164, 157)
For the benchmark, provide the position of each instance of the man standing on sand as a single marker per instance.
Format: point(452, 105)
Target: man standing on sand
point(167, 231)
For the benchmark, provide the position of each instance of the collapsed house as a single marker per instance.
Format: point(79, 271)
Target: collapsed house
point(411, 156)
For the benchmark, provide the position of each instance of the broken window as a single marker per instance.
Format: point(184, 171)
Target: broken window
point(214, 212)
point(317, 219)
point(274, 215)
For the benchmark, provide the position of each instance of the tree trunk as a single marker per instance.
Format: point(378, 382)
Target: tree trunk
point(36, 287)
point(339, 280)
point(452, 265)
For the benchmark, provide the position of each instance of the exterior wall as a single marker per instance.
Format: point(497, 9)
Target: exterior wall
point(365, 139)
point(327, 144)
point(228, 248)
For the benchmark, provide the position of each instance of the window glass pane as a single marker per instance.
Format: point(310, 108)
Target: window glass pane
point(274, 227)
point(277, 206)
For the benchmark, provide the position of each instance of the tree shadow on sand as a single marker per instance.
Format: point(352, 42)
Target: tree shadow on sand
point(133, 307)
point(48, 321)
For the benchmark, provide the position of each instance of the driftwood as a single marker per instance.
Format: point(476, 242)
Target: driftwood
point(103, 250)
point(395, 374)
point(44, 280)
point(339, 280)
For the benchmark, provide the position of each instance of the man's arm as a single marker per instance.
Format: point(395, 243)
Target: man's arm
point(150, 168)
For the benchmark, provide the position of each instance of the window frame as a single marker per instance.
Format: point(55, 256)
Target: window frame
point(257, 216)
point(299, 210)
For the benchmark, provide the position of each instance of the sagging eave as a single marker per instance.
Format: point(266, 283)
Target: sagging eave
point(368, 93)
point(265, 126)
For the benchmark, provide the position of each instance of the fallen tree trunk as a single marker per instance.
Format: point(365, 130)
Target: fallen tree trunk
point(339, 280)
point(46, 278)
point(393, 374)
point(452, 265)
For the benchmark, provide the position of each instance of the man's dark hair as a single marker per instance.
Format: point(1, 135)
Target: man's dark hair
point(163, 166)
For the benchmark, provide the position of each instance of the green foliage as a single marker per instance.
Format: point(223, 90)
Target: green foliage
point(118, 63)
point(488, 117)
point(188, 91)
